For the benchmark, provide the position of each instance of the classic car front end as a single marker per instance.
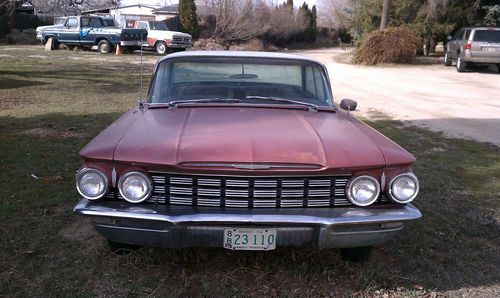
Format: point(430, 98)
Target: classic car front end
point(245, 151)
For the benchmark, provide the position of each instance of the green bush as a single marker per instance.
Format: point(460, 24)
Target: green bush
point(392, 45)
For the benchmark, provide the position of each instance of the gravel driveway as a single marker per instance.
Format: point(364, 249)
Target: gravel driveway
point(436, 97)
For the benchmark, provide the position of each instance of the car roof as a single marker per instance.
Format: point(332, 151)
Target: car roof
point(238, 54)
point(482, 28)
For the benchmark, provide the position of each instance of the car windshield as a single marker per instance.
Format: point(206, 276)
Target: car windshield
point(158, 26)
point(60, 21)
point(248, 80)
point(487, 35)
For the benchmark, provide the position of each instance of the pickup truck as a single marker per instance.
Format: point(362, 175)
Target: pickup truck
point(91, 31)
point(161, 39)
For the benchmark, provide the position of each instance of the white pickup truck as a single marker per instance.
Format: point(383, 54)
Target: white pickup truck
point(163, 40)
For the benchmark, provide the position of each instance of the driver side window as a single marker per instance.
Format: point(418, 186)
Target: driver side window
point(142, 25)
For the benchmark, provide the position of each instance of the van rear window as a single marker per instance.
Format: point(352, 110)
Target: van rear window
point(487, 35)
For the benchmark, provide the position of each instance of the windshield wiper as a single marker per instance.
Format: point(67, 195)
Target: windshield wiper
point(174, 103)
point(312, 107)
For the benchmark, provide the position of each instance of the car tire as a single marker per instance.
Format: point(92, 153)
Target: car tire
point(461, 65)
point(356, 254)
point(498, 68)
point(447, 59)
point(104, 47)
point(161, 48)
point(121, 248)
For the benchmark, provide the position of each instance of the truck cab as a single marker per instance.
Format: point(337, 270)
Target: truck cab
point(161, 39)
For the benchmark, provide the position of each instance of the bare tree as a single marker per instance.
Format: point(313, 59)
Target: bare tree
point(239, 20)
point(65, 6)
point(285, 22)
point(335, 14)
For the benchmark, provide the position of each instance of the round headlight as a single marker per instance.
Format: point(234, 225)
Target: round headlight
point(134, 187)
point(363, 190)
point(92, 184)
point(404, 188)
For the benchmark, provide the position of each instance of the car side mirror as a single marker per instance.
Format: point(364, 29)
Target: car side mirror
point(449, 37)
point(348, 104)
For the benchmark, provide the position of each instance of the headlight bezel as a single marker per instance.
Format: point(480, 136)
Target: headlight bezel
point(86, 170)
point(353, 181)
point(144, 197)
point(391, 183)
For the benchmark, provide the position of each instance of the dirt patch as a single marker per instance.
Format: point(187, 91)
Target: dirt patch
point(52, 133)
point(81, 230)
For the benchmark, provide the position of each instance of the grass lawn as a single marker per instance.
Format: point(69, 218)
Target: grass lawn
point(53, 103)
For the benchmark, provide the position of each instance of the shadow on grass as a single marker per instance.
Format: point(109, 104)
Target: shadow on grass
point(454, 246)
point(8, 83)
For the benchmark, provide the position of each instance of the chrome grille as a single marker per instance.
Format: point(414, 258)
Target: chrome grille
point(248, 192)
point(181, 39)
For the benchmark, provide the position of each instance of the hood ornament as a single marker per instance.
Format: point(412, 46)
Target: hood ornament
point(251, 166)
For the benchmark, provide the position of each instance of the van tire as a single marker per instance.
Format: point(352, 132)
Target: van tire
point(447, 59)
point(461, 65)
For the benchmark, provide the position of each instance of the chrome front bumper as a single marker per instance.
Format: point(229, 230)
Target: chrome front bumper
point(186, 226)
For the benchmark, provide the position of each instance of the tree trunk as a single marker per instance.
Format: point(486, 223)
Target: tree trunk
point(385, 14)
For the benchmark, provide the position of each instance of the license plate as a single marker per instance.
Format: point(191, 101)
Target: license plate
point(492, 49)
point(249, 239)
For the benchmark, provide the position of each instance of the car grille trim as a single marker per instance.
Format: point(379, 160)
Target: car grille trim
point(248, 192)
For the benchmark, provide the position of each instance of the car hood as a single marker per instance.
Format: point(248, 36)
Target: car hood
point(183, 135)
point(49, 27)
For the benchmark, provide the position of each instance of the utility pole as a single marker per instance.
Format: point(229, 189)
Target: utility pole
point(385, 14)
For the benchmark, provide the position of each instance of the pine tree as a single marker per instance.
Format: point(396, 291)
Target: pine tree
point(314, 23)
point(188, 17)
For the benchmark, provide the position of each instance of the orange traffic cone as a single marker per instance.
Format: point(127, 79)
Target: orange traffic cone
point(118, 50)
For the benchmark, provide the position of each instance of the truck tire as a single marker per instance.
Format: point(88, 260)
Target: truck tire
point(461, 65)
point(447, 59)
point(161, 47)
point(104, 47)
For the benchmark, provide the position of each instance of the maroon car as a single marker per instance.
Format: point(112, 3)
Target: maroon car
point(245, 151)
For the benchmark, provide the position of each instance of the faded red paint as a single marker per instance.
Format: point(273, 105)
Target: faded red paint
point(165, 139)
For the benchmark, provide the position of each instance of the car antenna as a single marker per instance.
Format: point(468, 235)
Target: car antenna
point(141, 104)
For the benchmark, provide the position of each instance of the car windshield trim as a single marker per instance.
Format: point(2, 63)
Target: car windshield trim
point(174, 103)
point(311, 106)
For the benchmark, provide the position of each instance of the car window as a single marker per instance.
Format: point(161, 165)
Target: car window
point(467, 34)
point(487, 35)
point(72, 22)
point(157, 25)
point(241, 79)
point(459, 34)
point(108, 22)
point(142, 25)
point(95, 22)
